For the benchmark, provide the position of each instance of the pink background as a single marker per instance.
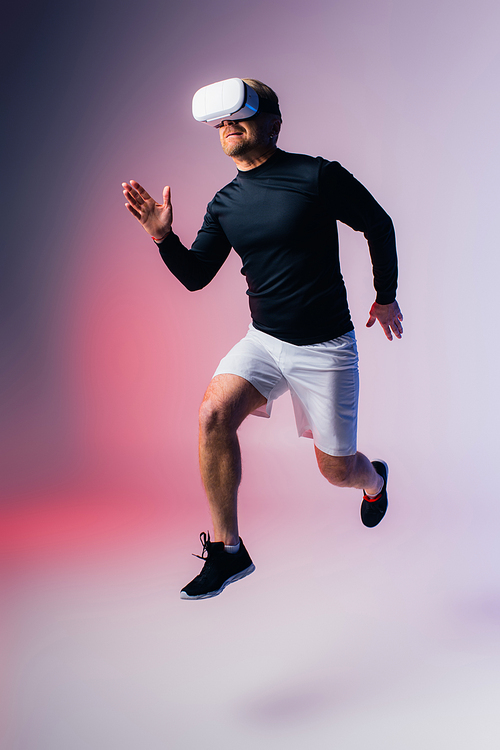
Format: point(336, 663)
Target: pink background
point(344, 637)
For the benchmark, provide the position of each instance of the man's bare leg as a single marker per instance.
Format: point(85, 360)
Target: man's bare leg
point(229, 399)
point(350, 471)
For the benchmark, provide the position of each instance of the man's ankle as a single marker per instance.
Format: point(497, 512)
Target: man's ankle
point(374, 492)
point(230, 540)
point(232, 548)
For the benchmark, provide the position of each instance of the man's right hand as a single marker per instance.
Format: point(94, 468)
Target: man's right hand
point(156, 218)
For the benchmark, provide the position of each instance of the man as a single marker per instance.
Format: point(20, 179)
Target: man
point(279, 214)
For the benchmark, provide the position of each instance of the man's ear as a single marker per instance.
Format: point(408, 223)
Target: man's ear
point(276, 127)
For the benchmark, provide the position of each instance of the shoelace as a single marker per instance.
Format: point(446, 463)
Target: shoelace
point(205, 541)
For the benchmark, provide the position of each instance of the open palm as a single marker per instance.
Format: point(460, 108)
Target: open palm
point(156, 218)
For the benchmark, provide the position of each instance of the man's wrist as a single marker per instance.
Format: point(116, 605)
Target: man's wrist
point(160, 239)
point(385, 299)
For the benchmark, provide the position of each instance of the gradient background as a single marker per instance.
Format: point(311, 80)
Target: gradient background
point(344, 637)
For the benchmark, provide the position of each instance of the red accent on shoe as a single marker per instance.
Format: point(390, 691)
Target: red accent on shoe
point(372, 499)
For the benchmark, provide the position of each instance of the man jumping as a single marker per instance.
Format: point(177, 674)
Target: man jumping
point(279, 214)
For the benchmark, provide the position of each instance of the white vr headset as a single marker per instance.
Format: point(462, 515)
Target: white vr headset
point(232, 99)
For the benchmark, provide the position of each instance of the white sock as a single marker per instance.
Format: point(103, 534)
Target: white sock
point(232, 548)
point(377, 493)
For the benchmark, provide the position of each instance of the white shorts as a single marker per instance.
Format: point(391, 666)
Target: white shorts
point(322, 380)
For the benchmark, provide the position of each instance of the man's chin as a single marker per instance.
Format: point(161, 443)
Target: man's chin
point(235, 149)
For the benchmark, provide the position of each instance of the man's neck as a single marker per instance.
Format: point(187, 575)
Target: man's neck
point(253, 159)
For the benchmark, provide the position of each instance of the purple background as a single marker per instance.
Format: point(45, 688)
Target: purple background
point(344, 636)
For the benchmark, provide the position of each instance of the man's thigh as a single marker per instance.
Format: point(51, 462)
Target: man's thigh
point(324, 383)
point(255, 360)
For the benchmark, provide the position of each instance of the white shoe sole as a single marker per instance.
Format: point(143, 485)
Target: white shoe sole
point(232, 579)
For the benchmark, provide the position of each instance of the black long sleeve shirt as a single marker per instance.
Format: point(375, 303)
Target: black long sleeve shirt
point(281, 220)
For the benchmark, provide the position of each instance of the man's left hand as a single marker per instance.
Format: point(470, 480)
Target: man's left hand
point(389, 317)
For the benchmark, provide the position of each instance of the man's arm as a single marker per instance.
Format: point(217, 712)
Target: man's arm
point(357, 208)
point(194, 268)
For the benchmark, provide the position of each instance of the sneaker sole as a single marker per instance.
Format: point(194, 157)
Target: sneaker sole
point(232, 579)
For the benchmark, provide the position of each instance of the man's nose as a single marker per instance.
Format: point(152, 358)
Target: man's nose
point(227, 122)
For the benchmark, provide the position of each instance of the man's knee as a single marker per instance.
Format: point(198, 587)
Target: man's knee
point(337, 469)
point(214, 415)
point(228, 400)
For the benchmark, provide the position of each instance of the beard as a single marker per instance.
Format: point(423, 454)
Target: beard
point(259, 137)
point(238, 149)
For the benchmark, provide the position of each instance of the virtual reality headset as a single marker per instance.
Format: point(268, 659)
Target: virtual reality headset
point(232, 99)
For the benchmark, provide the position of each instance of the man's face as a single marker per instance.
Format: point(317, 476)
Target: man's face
point(240, 137)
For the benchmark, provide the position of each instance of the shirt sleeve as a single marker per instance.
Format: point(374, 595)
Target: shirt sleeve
point(355, 206)
point(195, 268)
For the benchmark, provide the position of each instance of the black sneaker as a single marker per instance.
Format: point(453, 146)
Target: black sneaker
point(373, 510)
point(220, 569)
